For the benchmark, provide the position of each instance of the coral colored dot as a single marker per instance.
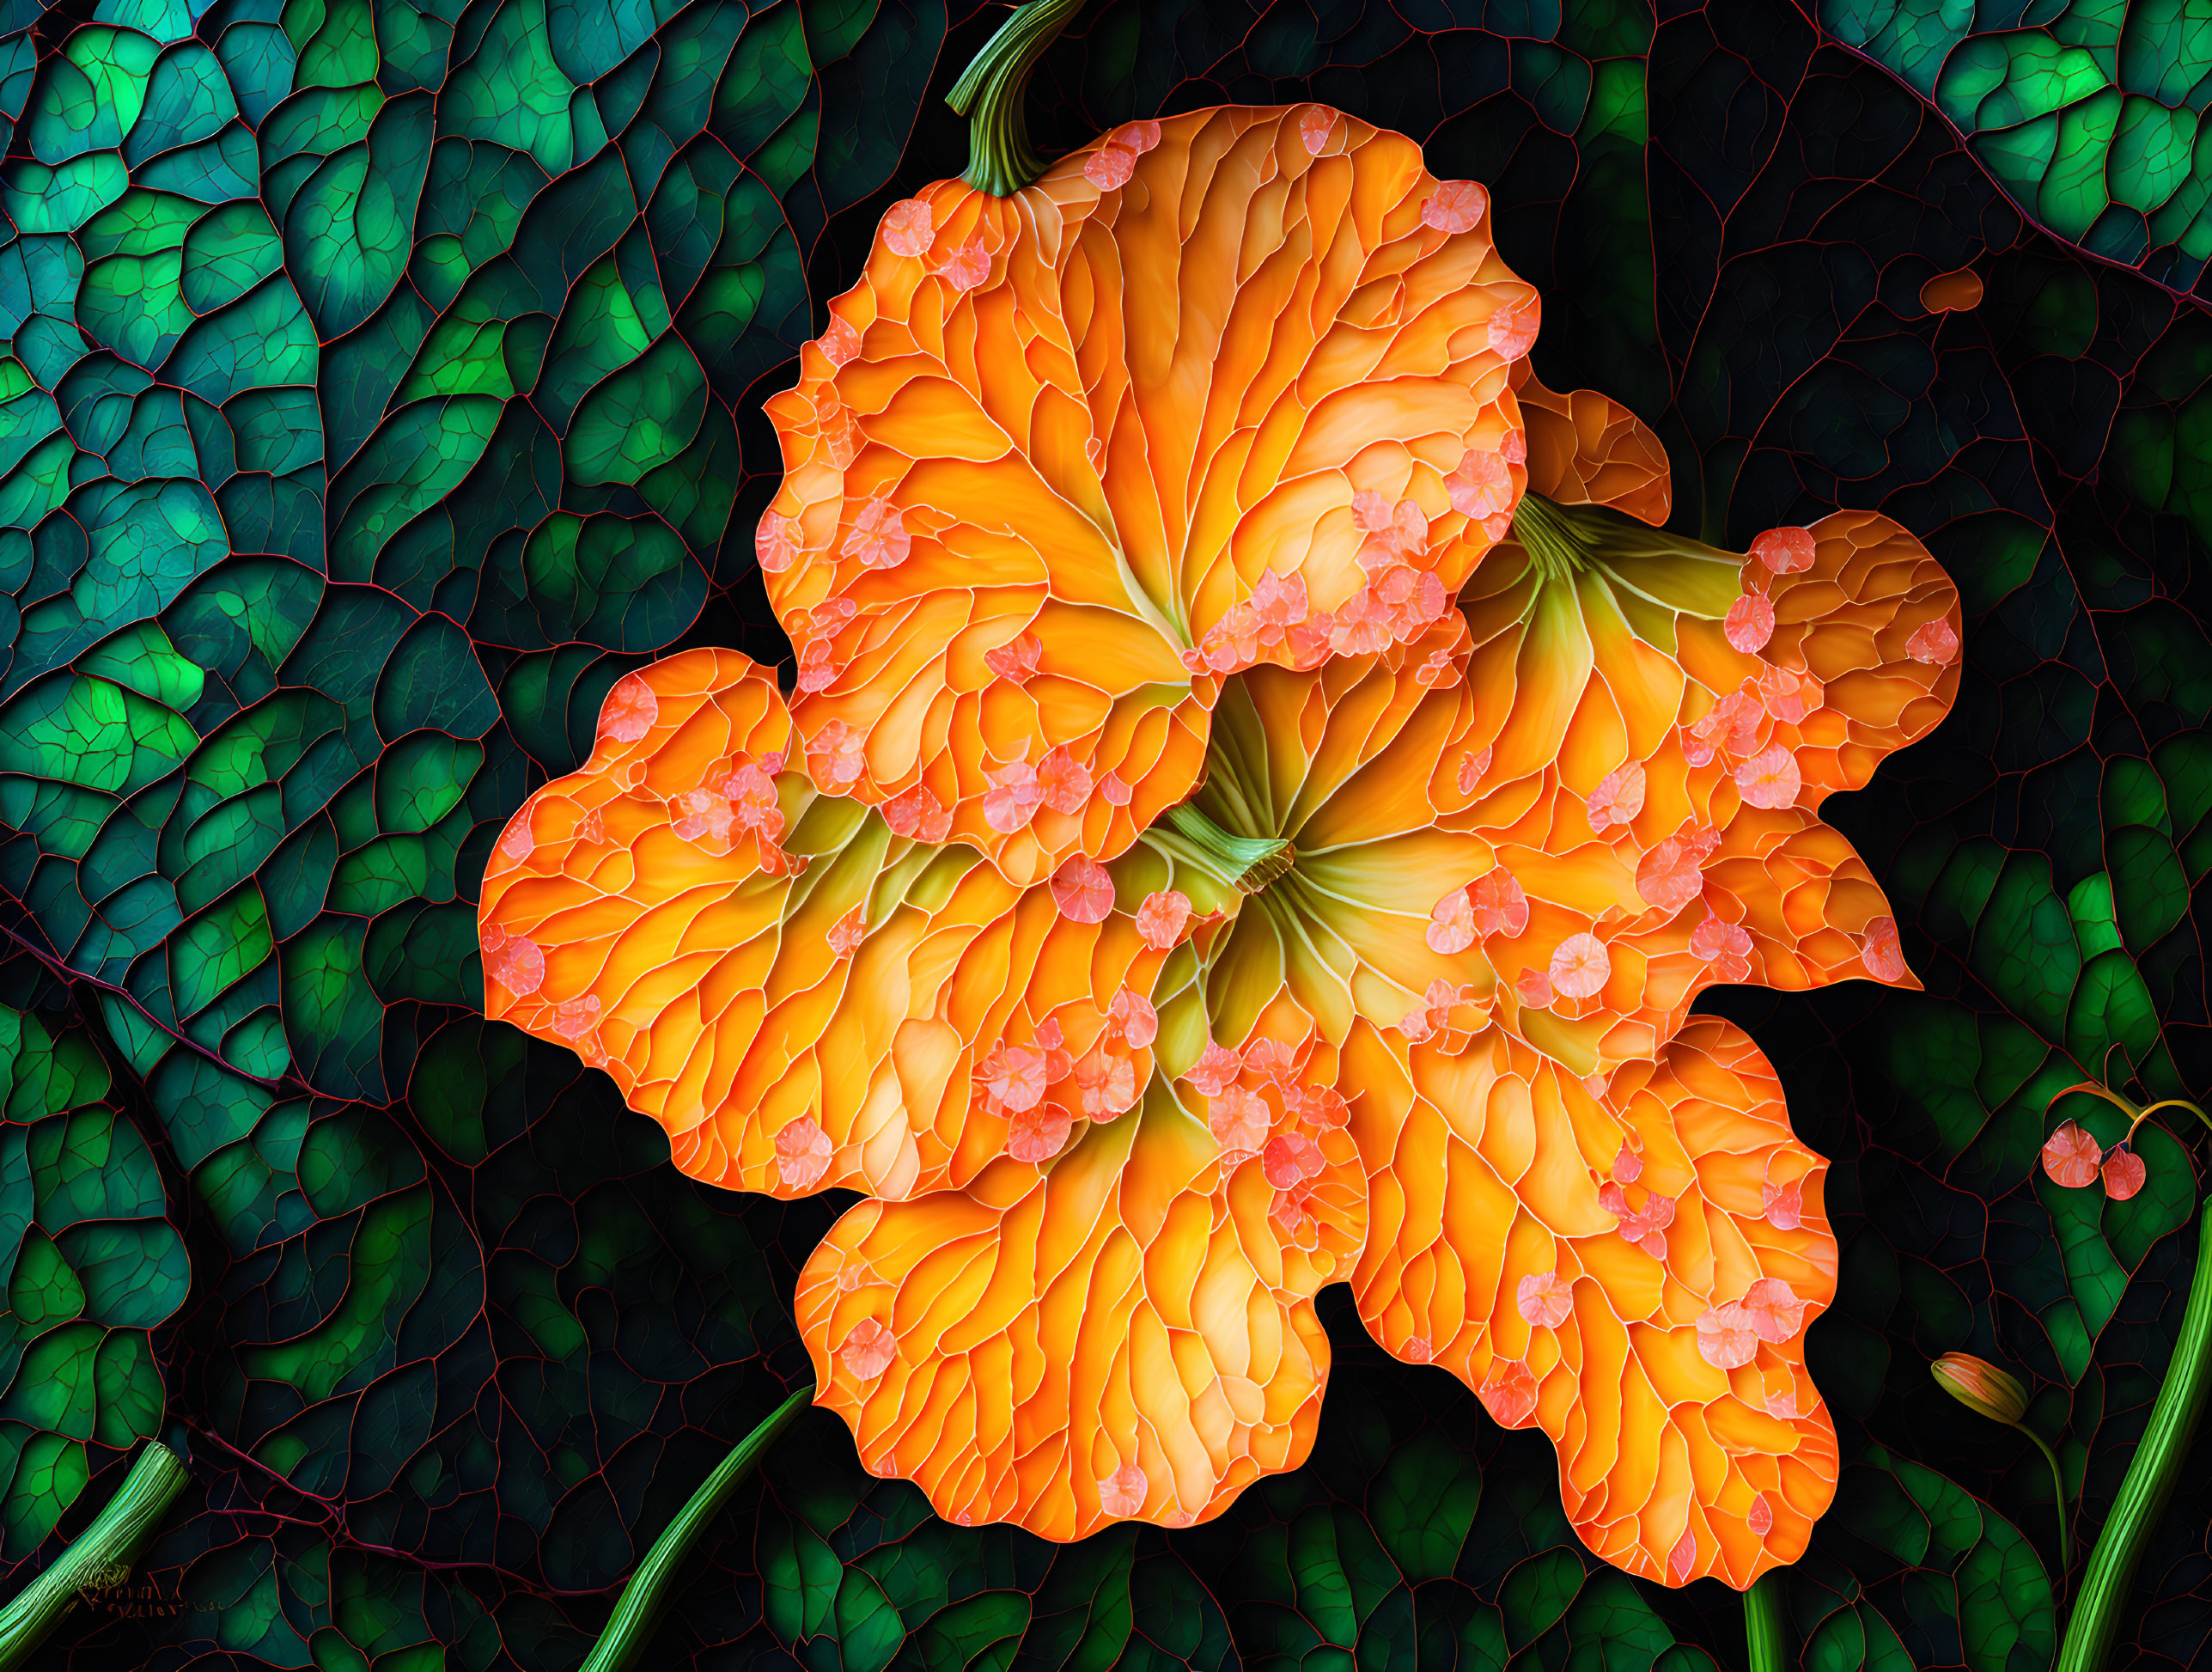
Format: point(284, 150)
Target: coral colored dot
point(1534, 987)
point(868, 1350)
point(967, 266)
point(908, 227)
point(1456, 206)
point(840, 343)
point(918, 816)
point(1501, 906)
point(1013, 799)
point(1108, 1082)
point(1770, 779)
point(1790, 695)
point(1513, 330)
point(1132, 1016)
point(519, 966)
point(1684, 1557)
point(1238, 1118)
point(1015, 660)
point(1161, 919)
point(1416, 1349)
point(1122, 1492)
point(1482, 486)
point(1315, 124)
point(2125, 1172)
point(1581, 966)
point(1785, 551)
point(574, 1018)
point(629, 710)
point(1062, 781)
point(1509, 1393)
point(1761, 1519)
point(1082, 890)
point(1880, 950)
point(836, 755)
point(1750, 623)
point(879, 537)
point(1783, 1206)
point(1040, 1134)
point(1726, 1340)
point(847, 931)
point(1618, 797)
point(1672, 874)
point(2071, 1157)
point(1716, 937)
point(1110, 166)
point(1472, 766)
point(1774, 1310)
point(775, 543)
point(1013, 1076)
point(1290, 1158)
point(817, 666)
point(1451, 923)
point(1935, 642)
point(802, 1153)
point(1544, 1299)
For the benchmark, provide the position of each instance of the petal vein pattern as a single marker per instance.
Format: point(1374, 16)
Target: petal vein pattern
point(834, 975)
point(1507, 1245)
point(1263, 793)
point(1136, 453)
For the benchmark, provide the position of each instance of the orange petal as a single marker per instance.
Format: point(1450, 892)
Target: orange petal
point(820, 1007)
point(1647, 776)
point(1585, 449)
point(1125, 1334)
point(1656, 1310)
point(1125, 416)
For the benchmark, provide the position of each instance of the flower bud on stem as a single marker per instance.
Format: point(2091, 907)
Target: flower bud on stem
point(1984, 1388)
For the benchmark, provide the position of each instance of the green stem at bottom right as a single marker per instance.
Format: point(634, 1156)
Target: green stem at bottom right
point(2102, 1604)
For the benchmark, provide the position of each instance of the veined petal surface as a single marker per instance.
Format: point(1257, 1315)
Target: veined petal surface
point(808, 1003)
point(1663, 721)
point(1065, 458)
point(1631, 1273)
point(1128, 1333)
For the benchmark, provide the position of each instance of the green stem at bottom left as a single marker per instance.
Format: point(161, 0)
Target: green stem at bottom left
point(631, 1626)
point(96, 1557)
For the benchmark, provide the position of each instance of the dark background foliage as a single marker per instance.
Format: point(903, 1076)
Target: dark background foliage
point(331, 519)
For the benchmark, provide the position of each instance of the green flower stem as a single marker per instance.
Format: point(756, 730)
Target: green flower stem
point(92, 1562)
point(990, 92)
point(1563, 541)
point(631, 1626)
point(1246, 863)
point(2102, 1602)
point(2058, 1497)
point(1766, 1624)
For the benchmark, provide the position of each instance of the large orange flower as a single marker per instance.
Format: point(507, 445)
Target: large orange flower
point(1387, 983)
point(1223, 388)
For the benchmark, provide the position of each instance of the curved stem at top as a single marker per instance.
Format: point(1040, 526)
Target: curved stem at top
point(990, 93)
